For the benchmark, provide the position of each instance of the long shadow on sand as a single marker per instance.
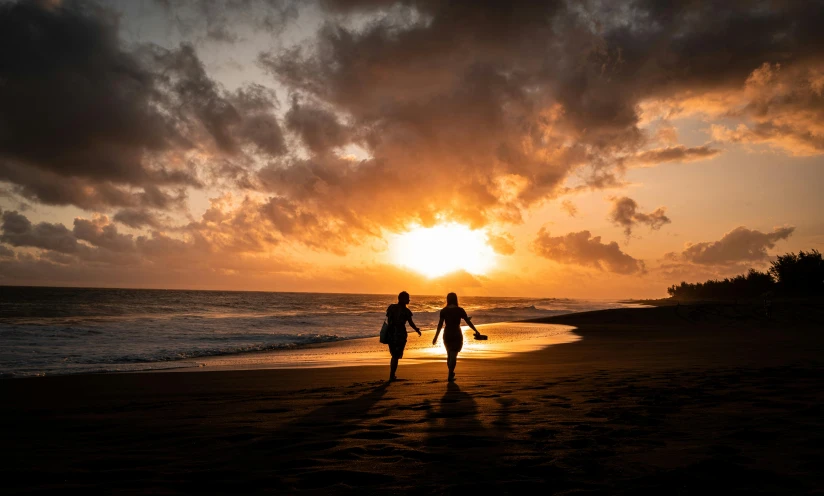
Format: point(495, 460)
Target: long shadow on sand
point(309, 452)
point(467, 451)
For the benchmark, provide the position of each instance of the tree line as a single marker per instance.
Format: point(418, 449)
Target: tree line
point(788, 275)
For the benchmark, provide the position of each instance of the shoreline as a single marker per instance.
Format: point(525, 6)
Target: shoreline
point(649, 400)
point(510, 337)
point(282, 359)
point(283, 356)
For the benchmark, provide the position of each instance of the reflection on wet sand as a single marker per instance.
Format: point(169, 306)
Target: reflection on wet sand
point(505, 339)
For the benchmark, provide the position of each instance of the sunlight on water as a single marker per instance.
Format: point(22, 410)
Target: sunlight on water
point(48, 331)
point(505, 339)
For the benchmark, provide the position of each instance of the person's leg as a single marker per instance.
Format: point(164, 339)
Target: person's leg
point(393, 366)
point(451, 361)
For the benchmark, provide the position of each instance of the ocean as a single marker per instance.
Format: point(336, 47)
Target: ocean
point(53, 331)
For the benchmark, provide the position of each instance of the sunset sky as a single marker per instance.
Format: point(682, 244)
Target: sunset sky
point(562, 149)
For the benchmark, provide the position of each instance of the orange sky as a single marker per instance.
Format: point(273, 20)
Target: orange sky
point(575, 149)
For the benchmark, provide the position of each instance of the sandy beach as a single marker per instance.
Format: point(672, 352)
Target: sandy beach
point(210, 209)
point(666, 400)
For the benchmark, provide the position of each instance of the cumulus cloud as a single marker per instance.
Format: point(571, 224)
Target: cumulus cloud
point(17, 230)
point(501, 104)
point(92, 132)
point(85, 121)
point(503, 244)
point(221, 242)
point(739, 245)
point(319, 129)
point(298, 224)
point(137, 218)
point(625, 213)
point(581, 248)
point(216, 120)
point(435, 120)
point(472, 112)
point(787, 107)
point(100, 232)
point(6, 252)
point(777, 104)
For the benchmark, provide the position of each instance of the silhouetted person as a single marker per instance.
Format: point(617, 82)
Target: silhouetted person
point(452, 335)
point(398, 315)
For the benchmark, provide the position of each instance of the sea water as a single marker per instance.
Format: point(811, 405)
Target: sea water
point(48, 331)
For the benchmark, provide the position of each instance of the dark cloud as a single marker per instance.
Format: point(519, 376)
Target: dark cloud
point(319, 129)
point(295, 223)
point(86, 122)
point(739, 245)
point(137, 218)
point(204, 109)
point(499, 103)
point(678, 153)
point(52, 188)
point(441, 119)
point(76, 111)
point(189, 270)
point(221, 20)
point(472, 112)
point(581, 248)
point(625, 213)
point(72, 101)
point(17, 230)
point(238, 239)
point(6, 252)
point(259, 126)
point(99, 232)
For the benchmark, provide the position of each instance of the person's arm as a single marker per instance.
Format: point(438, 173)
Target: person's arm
point(438, 332)
point(469, 322)
point(417, 329)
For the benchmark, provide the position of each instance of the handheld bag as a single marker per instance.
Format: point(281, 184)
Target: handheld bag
point(385, 332)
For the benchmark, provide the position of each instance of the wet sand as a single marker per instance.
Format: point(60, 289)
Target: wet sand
point(668, 400)
point(510, 338)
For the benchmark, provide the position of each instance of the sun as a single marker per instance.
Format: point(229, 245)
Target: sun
point(439, 250)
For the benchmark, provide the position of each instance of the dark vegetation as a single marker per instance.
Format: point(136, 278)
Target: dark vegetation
point(789, 275)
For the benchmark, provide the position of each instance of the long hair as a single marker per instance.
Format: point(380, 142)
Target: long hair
point(452, 299)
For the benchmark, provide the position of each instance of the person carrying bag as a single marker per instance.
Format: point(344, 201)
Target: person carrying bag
point(397, 315)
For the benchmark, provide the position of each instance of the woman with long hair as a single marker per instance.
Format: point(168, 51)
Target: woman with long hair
point(452, 314)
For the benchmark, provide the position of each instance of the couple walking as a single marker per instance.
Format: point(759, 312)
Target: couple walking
point(398, 314)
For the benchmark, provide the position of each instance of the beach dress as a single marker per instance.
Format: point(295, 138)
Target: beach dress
point(452, 335)
point(397, 315)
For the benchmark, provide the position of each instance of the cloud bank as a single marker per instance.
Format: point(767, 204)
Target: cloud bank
point(390, 114)
point(739, 245)
point(581, 248)
point(624, 213)
point(499, 104)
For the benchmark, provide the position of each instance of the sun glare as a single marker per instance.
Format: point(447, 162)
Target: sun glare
point(439, 250)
